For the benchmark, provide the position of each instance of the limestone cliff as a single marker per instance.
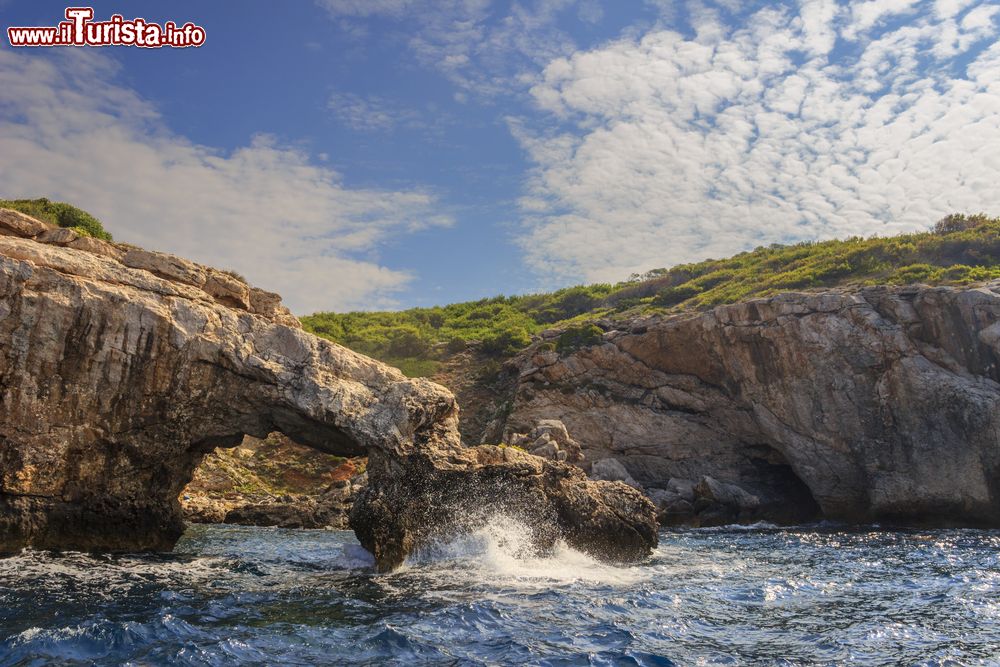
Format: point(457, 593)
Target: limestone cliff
point(878, 404)
point(120, 368)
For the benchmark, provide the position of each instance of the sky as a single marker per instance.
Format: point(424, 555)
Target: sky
point(373, 154)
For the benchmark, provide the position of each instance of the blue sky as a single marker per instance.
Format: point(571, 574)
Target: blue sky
point(390, 153)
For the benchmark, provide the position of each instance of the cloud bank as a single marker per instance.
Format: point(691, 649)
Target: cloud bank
point(69, 131)
point(788, 122)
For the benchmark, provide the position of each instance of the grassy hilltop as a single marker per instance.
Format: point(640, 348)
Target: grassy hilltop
point(61, 214)
point(960, 250)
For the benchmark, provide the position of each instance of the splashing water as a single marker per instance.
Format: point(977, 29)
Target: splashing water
point(502, 549)
point(233, 595)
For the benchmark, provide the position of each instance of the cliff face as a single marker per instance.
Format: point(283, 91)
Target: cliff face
point(121, 368)
point(879, 404)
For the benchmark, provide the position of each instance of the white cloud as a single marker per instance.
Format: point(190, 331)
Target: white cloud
point(946, 9)
point(367, 7)
point(980, 18)
point(370, 113)
point(480, 47)
point(668, 149)
point(868, 13)
point(69, 131)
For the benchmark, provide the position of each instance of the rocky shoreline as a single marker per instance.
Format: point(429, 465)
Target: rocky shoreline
point(125, 368)
point(122, 368)
point(870, 405)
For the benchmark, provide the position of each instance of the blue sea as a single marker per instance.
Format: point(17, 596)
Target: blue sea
point(759, 595)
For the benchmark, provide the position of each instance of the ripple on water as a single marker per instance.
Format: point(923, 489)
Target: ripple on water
point(233, 595)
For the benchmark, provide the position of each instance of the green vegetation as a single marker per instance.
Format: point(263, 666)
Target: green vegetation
point(576, 337)
point(58, 213)
point(500, 326)
point(960, 250)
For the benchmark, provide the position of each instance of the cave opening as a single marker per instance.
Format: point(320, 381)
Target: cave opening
point(786, 499)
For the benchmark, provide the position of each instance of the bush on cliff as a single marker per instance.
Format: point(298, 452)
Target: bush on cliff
point(59, 213)
point(577, 337)
point(960, 249)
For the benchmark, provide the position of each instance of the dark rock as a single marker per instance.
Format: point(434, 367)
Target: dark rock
point(421, 499)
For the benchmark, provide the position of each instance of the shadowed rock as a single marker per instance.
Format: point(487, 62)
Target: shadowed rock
point(120, 368)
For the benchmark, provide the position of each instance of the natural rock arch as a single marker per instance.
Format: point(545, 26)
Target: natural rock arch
point(121, 368)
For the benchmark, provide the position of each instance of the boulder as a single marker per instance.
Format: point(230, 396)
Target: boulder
point(720, 493)
point(166, 266)
point(431, 495)
point(547, 438)
point(58, 236)
point(682, 487)
point(227, 289)
point(118, 373)
point(15, 223)
point(672, 509)
point(612, 470)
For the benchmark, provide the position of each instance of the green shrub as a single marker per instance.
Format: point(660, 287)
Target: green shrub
point(506, 342)
point(59, 213)
point(961, 249)
point(959, 222)
point(913, 273)
point(406, 341)
point(577, 337)
point(671, 296)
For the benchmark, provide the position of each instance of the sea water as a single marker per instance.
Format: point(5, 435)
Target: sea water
point(232, 595)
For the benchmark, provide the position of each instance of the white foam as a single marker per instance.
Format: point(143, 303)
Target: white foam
point(356, 557)
point(760, 525)
point(502, 550)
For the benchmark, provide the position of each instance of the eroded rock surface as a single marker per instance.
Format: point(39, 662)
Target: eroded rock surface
point(411, 501)
point(120, 368)
point(875, 404)
point(548, 439)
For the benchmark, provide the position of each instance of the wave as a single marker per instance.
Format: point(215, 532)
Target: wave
point(501, 549)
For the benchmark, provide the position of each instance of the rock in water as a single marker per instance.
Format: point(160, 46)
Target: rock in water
point(414, 500)
point(120, 368)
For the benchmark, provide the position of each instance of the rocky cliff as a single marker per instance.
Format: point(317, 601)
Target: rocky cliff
point(877, 404)
point(120, 368)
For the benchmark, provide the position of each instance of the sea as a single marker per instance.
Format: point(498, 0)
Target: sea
point(738, 595)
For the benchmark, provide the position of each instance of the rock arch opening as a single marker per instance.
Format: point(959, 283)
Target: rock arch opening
point(274, 481)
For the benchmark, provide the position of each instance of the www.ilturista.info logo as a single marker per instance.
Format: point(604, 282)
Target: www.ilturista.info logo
point(81, 30)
